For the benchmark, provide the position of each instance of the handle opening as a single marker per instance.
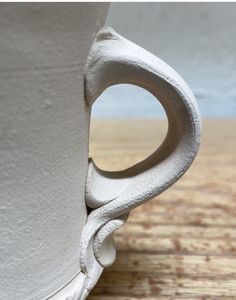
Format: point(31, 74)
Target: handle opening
point(118, 136)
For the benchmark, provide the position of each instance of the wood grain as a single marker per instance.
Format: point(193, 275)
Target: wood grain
point(182, 244)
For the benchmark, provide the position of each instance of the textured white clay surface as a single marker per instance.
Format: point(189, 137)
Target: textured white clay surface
point(111, 195)
point(49, 247)
point(44, 125)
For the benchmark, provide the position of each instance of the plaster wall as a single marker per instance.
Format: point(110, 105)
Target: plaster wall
point(196, 39)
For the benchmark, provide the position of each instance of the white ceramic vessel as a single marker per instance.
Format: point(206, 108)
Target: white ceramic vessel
point(50, 75)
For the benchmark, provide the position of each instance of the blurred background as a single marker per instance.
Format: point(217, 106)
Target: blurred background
point(196, 39)
point(181, 244)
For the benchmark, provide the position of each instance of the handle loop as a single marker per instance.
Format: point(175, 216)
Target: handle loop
point(114, 60)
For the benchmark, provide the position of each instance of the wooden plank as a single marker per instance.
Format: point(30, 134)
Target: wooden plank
point(187, 231)
point(184, 265)
point(194, 216)
point(171, 245)
point(147, 284)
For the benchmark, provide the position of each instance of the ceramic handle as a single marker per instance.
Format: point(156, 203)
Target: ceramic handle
point(114, 60)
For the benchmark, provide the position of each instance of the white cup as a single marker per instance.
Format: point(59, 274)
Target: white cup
point(51, 245)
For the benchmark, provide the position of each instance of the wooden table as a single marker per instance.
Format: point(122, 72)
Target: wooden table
point(182, 244)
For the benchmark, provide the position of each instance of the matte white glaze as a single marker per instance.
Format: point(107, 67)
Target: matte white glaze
point(44, 127)
point(112, 60)
point(50, 248)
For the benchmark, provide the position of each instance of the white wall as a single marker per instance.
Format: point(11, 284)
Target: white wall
point(196, 39)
